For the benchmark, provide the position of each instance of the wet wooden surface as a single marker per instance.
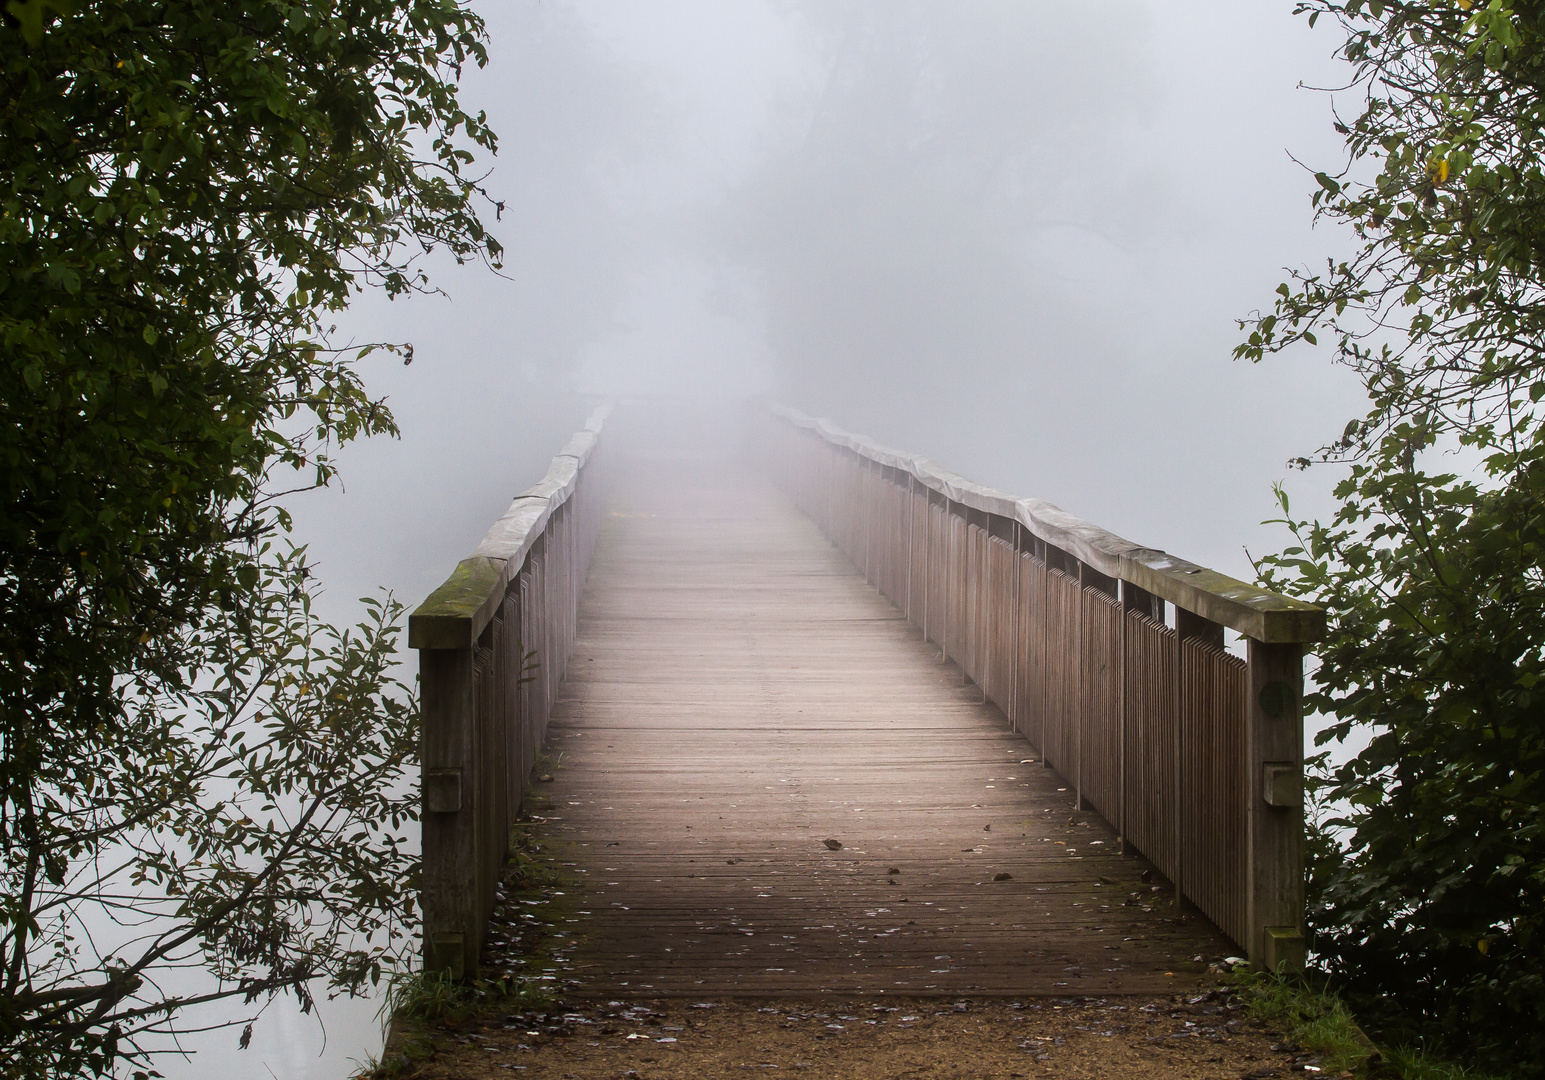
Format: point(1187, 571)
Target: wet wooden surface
point(739, 695)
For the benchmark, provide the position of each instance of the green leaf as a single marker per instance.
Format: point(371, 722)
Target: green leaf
point(33, 16)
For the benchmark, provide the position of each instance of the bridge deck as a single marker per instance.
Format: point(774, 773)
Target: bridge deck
point(739, 695)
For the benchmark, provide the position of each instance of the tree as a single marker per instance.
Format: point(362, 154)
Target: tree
point(190, 764)
point(1429, 883)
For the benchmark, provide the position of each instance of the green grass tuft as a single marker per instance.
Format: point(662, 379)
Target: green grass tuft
point(1410, 1063)
point(414, 1002)
point(1315, 1019)
point(1312, 1015)
point(430, 996)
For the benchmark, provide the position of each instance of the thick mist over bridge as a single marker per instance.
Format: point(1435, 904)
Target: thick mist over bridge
point(1012, 238)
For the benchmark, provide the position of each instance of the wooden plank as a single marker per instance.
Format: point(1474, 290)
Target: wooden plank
point(737, 695)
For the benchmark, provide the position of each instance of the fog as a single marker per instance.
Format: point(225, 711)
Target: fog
point(1012, 236)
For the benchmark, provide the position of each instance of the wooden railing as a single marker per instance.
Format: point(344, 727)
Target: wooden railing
point(493, 643)
point(1194, 755)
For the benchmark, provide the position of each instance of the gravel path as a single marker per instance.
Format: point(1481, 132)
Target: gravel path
point(1201, 1037)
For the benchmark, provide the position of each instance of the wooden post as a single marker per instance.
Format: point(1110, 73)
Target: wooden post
point(911, 530)
point(831, 481)
point(1014, 657)
point(866, 511)
point(927, 559)
point(949, 578)
point(1121, 731)
point(452, 931)
point(1044, 551)
point(984, 608)
point(1274, 741)
point(962, 571)
point(1078, 700)
point(1189, 626)
point(1142, 601)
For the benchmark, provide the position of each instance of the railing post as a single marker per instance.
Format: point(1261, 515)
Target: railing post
point(984, 610)
point(911, 529)
point(1121, 729)
point(1188, 627)
point(1274, 742)
point(1078, 700)
point(1014, 704)
point(927, 560)
point(949, 579)
point(452, 931)
point(866, 511)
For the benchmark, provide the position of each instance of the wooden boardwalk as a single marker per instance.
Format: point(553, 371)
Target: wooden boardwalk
point(738, 696)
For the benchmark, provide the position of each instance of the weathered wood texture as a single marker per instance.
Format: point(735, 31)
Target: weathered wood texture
point(738, 695)
point(1254, 612)
point(494, 642)
point(1194, 754)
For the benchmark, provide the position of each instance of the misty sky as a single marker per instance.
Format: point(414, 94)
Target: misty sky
point(1012, 236)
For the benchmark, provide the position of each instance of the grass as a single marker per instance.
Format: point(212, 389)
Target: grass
point(1319, 1021)
point(428, 997)
point(421, 1008)
point(416, 1004)
point(1412, 1064)
point(1315, 1019)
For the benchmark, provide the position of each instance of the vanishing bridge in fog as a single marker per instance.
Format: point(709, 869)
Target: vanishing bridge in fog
point(1044, 771)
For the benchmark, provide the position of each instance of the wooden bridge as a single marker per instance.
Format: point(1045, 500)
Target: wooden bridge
point(833, 718)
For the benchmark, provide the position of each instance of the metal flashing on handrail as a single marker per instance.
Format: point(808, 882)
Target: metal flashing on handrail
point(579, 446)
point(598, 417)
point(1252, 611)
point(455, 614)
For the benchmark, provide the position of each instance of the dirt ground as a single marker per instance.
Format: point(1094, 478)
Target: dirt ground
point(1201, 1037)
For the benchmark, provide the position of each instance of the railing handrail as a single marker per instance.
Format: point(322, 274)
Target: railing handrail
point(494, 641)
point(1252, 611)
point(455, 614)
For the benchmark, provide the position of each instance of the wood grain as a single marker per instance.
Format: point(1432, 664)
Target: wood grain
point(737, 695)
